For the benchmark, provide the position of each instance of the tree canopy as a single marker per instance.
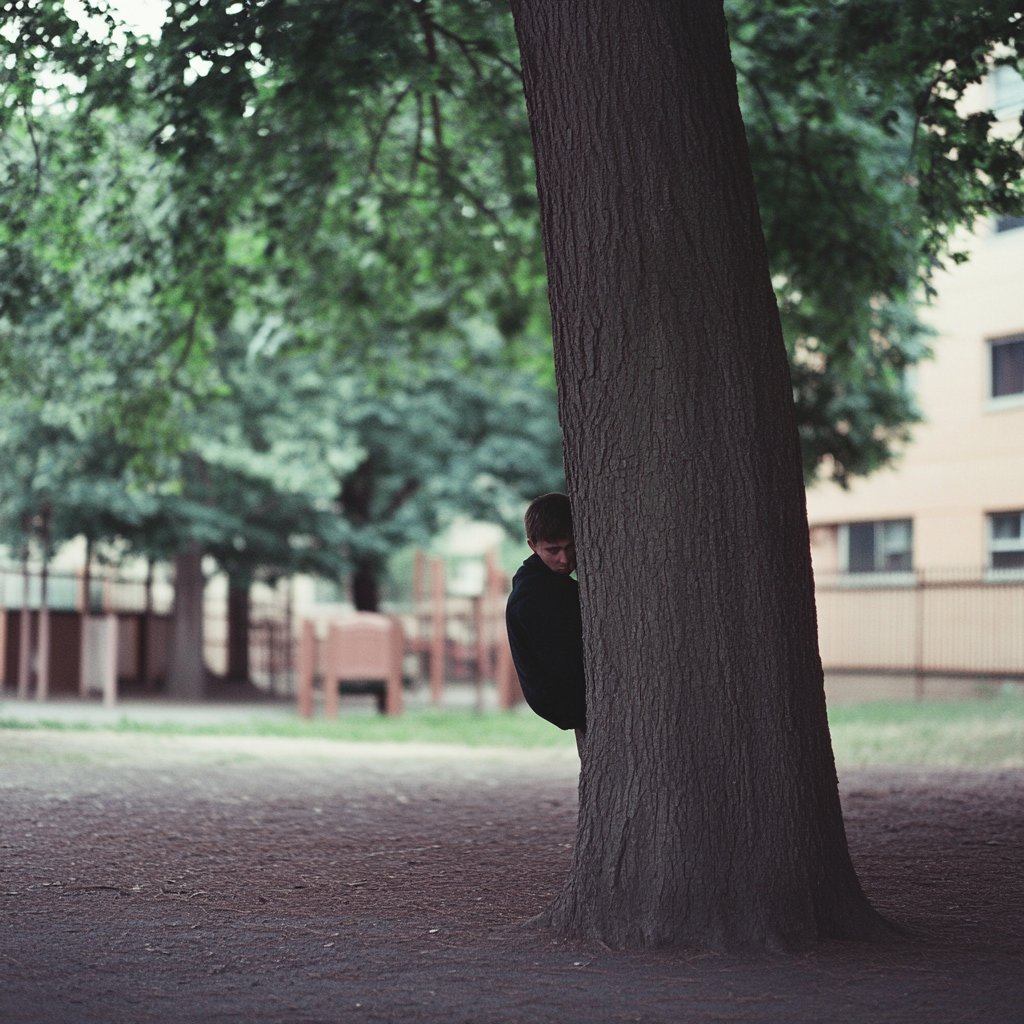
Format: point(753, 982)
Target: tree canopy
point(869, 155)
point(357, 178)
point(247, 288)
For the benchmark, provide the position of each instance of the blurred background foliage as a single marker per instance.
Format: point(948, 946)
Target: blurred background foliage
point(273, 283)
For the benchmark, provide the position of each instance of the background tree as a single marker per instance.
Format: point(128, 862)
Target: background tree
point(866, 164)
point(220, 330)
point(416, 217)
point(852, 132)
point(436, 443)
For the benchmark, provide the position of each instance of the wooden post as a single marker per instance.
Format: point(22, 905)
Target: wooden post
point(393, 693)
point(288, 615)
point(306, 669)
point(43, 664)
point(482, 668)
point(506, 681)
point(145, 633)
point(496, 585)
point(419, 572)
point(43, 644)
point(419, 640)
point(919, 596)
point(110, 662)
point(24, 652)
point(437, 647)
point(87, 578)
point(329, 677)
point(83, 655)
point(24, 632)
point(510, 693)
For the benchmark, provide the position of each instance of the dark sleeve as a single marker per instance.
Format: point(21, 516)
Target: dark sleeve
point(546, 637)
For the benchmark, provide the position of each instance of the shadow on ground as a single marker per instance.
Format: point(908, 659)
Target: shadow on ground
point(182, 878)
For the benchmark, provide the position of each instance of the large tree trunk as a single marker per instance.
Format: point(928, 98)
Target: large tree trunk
point(186, 671)
point(238, 630)
point(709, 807)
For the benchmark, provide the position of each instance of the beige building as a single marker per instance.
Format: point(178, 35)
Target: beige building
point(956, 496)
point(919, 568)
point(955, 500)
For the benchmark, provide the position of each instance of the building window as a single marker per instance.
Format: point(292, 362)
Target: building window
point(1009, 223)
point(1006, 540)
point(883, 546)
point(1007, 366)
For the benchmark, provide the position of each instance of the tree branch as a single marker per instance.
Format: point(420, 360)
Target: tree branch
point(35, 147)
point(378, 137)
point(445, 174)
point(417, 149)
point(466, 44)
point(189, 342)
point(400, 497)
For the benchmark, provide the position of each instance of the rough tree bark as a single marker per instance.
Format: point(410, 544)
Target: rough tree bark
point(238, 630)
point(709, 808)
point(186, 671)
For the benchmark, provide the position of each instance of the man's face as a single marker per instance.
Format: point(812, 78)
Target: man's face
point(558, 555)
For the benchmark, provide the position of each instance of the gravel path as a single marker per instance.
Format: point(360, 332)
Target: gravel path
point(182, 878)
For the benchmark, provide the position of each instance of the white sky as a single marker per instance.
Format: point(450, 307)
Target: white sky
point(144, 17)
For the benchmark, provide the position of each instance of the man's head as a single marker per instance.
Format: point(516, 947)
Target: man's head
point(549, 532)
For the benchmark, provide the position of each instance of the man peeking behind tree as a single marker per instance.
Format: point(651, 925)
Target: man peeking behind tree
point(545, 630)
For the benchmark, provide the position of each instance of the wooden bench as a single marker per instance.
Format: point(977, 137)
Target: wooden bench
point(362, 655)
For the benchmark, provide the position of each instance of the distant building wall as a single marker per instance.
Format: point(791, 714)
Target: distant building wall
point(967, 459)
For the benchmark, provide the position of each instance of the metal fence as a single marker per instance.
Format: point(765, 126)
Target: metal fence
point(936, 623)
point(956, 623)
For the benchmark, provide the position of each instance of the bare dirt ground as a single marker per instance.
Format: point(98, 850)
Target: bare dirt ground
point(181, 879)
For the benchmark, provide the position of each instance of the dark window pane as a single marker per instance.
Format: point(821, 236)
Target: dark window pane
point(896, 536)
point(1007, 368)
point(896, 545)
point(1009, 223)
point(897, 561)
point(1008, 559)
point(862, 547)
point(1006, 526)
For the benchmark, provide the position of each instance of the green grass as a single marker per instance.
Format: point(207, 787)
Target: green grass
point(519, 728)
point(956, 734)
point(953, 734)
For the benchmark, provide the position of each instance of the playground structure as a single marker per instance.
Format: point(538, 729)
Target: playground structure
point(454, 631)
point(360, 654)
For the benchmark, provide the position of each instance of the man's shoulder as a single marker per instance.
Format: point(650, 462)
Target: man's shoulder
point(531, 569)
point(536, 588)
point(533, 574)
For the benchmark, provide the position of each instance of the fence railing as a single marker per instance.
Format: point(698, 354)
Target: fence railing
point(935, 623)
point(65, 592)
point(966, 623)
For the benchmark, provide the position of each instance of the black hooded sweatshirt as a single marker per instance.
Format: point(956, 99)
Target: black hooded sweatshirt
point(545, 632)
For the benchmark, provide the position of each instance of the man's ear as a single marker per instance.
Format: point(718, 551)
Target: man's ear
point(533, 547)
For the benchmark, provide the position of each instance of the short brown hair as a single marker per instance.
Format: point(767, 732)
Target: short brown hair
point(548, 518)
